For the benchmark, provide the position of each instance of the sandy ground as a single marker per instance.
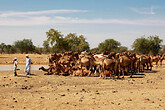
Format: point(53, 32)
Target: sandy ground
point(36, 58)
point(39, 92)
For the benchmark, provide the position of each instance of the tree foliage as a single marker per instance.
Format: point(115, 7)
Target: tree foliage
point(54, 37)
point(2, 47)
point(10, 49)
point(76, 43)
point(121, 49)
point(155, 44)
point(46, 47)
point(163, 49)
point(108, 45)
point(7, 48)
point(141, 45)
point(149, 45)
point(24, 46)
point(71, 42)
point(56, 42)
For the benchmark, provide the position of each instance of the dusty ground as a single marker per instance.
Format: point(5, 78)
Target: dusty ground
point(36, 58)
point(145, 91)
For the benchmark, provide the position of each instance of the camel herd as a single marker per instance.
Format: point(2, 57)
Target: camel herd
point(103, 65)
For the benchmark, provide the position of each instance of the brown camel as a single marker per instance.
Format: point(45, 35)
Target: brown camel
point(49, 71)
point(108, 64)
point(85, 61)
point(161, 59)
point(78, 72)
point(145, 60)
point(125, 63)
point(155, 59)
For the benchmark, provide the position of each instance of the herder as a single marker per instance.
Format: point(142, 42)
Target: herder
point(28, 63)
point(15, 66)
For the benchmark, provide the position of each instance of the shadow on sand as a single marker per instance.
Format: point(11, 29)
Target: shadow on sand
point(27, 76)
point(24, 76)
point(33, 75)
point(153, 71)
point(137, 76)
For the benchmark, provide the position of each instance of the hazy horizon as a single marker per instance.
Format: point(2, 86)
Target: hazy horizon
point(97, 20)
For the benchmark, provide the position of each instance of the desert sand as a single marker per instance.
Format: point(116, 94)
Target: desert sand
point(145, 91)
point(37, 59)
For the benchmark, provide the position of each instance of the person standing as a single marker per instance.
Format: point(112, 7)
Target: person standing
point(28, 65)
point(15, 66)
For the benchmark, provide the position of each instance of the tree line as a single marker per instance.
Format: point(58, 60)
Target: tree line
point(57, 42)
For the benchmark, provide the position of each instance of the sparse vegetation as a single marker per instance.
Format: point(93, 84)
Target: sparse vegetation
point(56, 42)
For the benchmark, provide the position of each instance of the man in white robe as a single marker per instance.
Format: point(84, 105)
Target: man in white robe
point(15, 66)
point(28, 65)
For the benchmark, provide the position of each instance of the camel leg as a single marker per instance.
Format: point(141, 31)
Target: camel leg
point(104, 74)
point(101, 75)
point(81, 71)
point(112, 74)
point(123, 71)
point(101, 72)
point(157, 63)
point(89, 74)
point(131, 72)
point(119, 72)
point(160, 63)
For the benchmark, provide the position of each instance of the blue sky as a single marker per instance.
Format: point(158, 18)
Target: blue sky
point(97, 20)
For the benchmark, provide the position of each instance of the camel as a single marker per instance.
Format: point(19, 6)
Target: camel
point(98, 62)
point(155, 59)
point(55, 57)
point(134, 61)
point(49, 71)
point(161, 59)
point(85, 61)
point(43, 69)
point(65, 60)
point(78, 72)
point(56, 70)
point(125, 63)
point(146, 61)
point(108, 64)
point(112, 55)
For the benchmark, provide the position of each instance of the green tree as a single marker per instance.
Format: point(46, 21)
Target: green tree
point(76, 43)
point(25, 45)
point(108, 45)
point(93, 50)
point(9, 49)
point(71, 42)
point(39, 50)
point(55, 38)
point(163, 49)
point(141, 45)
point(122, 49)
point(155, 44)
point(46, 47)
point(150, 45)
point(2, 47)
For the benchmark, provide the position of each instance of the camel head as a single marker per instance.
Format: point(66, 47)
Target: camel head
point(41, 68)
